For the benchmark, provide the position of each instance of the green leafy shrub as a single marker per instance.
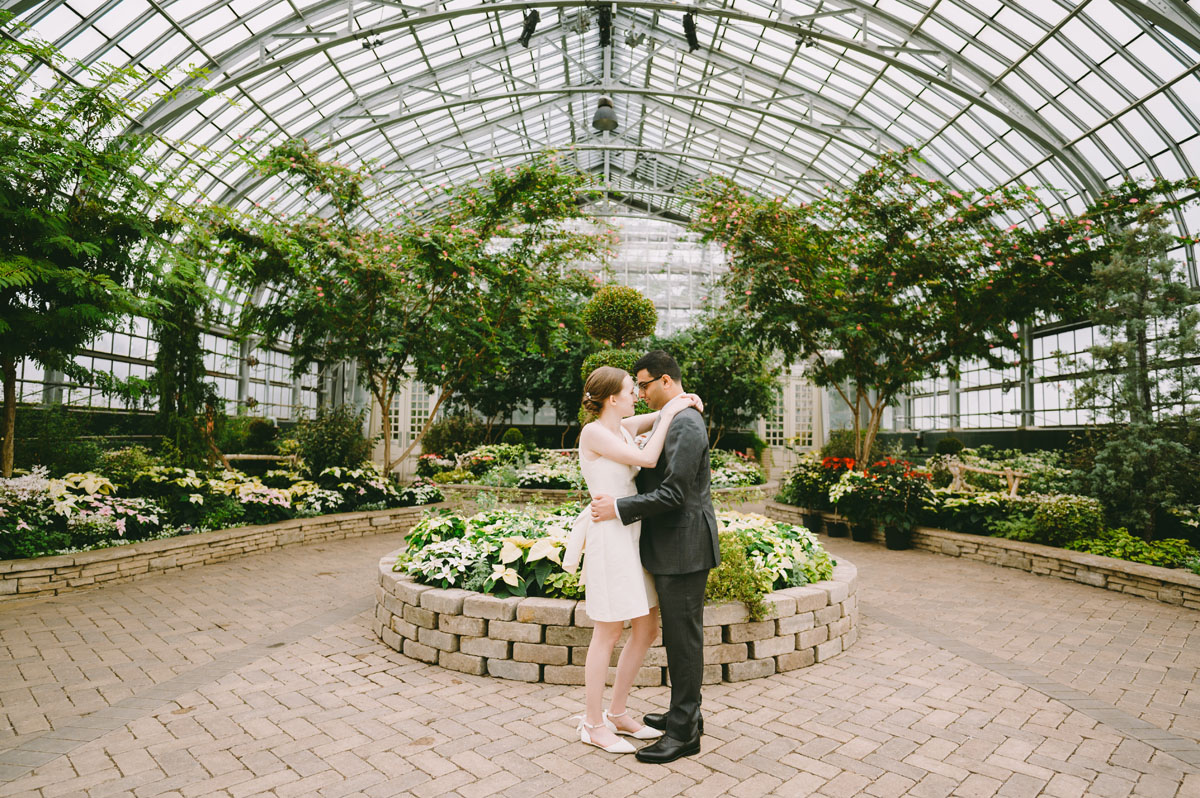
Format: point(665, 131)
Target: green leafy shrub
point(501, 476)
point(247, 435)
point(736, 579)
point(617, 358)
point(123, 465)
point(619, 315)
point(948, 445)
point(1059, 520)
point(333, 439)
point(220, 512)
point(970, 512)
point(52, 437)
point(513, 437)
point(452, 435)
point(1118, 543)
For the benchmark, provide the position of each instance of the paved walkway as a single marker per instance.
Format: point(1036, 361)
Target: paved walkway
point(261, 677)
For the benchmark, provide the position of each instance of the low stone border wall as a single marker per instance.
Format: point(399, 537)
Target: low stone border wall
point(55, 574)
point(546, 640)
point(1168, 585)
point(551, 496)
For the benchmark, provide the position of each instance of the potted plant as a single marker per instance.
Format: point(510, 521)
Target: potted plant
point(806, 486)
point(832, 470)
point(899, 494)
point(854, 500)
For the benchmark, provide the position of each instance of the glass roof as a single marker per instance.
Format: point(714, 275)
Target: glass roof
point(783, 96)
point(786, 97)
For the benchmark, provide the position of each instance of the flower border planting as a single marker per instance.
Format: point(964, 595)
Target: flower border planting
point(545, 640)
point(1168, 585)
point(64, 573)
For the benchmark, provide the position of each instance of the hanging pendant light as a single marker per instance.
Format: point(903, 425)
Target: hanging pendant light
point(606, 115)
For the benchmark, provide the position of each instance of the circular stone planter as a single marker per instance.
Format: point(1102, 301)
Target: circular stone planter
point(546, 640)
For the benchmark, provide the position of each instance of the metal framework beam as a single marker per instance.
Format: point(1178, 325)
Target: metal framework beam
point(1008, 107)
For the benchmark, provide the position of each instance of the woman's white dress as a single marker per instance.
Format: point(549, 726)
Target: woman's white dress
point(617, 587)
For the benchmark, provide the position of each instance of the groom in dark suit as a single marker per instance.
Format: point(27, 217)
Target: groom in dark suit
point(678, 547)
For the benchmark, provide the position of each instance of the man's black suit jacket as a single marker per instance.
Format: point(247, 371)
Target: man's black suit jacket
point(679, 525)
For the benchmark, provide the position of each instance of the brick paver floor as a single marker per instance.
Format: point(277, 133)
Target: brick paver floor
point(261, 677)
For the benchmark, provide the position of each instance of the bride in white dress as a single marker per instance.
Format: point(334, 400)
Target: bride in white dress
point(617, 587)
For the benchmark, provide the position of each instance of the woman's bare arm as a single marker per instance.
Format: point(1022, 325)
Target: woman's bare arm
point(604, 443)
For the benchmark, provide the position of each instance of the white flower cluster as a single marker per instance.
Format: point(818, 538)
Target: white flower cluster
point(447, 561)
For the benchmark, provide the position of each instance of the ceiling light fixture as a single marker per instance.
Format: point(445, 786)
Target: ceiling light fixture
point(605, 118)
point(531, 22)
point(689, 30)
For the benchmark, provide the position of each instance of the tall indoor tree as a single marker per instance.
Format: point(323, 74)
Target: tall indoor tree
point(893, 277)
point(448, 298)
point(84, 211)
point(1141, 380)
point(736, 378)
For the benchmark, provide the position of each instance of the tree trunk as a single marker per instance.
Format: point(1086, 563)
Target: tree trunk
point(872, 428)
point(9, 366)
point(446, 393)
point(860, 451)
point(384, 399)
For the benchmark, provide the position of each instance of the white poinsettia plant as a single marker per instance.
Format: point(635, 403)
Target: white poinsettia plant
point(786, 554)
point(734, 470)
point(519, 552)
point(505, 552)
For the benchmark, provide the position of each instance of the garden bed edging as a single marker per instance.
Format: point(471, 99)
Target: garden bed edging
point(1168, 585)
point(546, 640)
point(63, 573)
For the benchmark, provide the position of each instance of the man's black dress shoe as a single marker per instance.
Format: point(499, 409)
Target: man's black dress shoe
point(668, 749)
point(658, 720)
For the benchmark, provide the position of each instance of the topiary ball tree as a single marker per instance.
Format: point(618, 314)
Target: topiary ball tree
point(619, 315)
point(617, 358)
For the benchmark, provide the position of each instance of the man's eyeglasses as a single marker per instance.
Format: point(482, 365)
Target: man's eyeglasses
point(641, 386)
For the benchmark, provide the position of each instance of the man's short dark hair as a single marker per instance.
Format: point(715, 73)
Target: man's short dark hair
point(659, 363)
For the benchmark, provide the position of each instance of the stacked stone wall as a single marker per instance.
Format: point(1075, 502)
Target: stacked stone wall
point(53, 575)
point(546, 640)
point(1168, 585)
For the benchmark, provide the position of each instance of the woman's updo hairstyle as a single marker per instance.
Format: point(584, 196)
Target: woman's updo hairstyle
point(601, 384)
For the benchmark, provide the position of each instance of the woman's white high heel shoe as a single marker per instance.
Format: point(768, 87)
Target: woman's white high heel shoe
point(619, 747)
point(644, 733)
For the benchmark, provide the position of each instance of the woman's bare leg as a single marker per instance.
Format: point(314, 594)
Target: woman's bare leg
point(595, 674)
point(645, 629)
